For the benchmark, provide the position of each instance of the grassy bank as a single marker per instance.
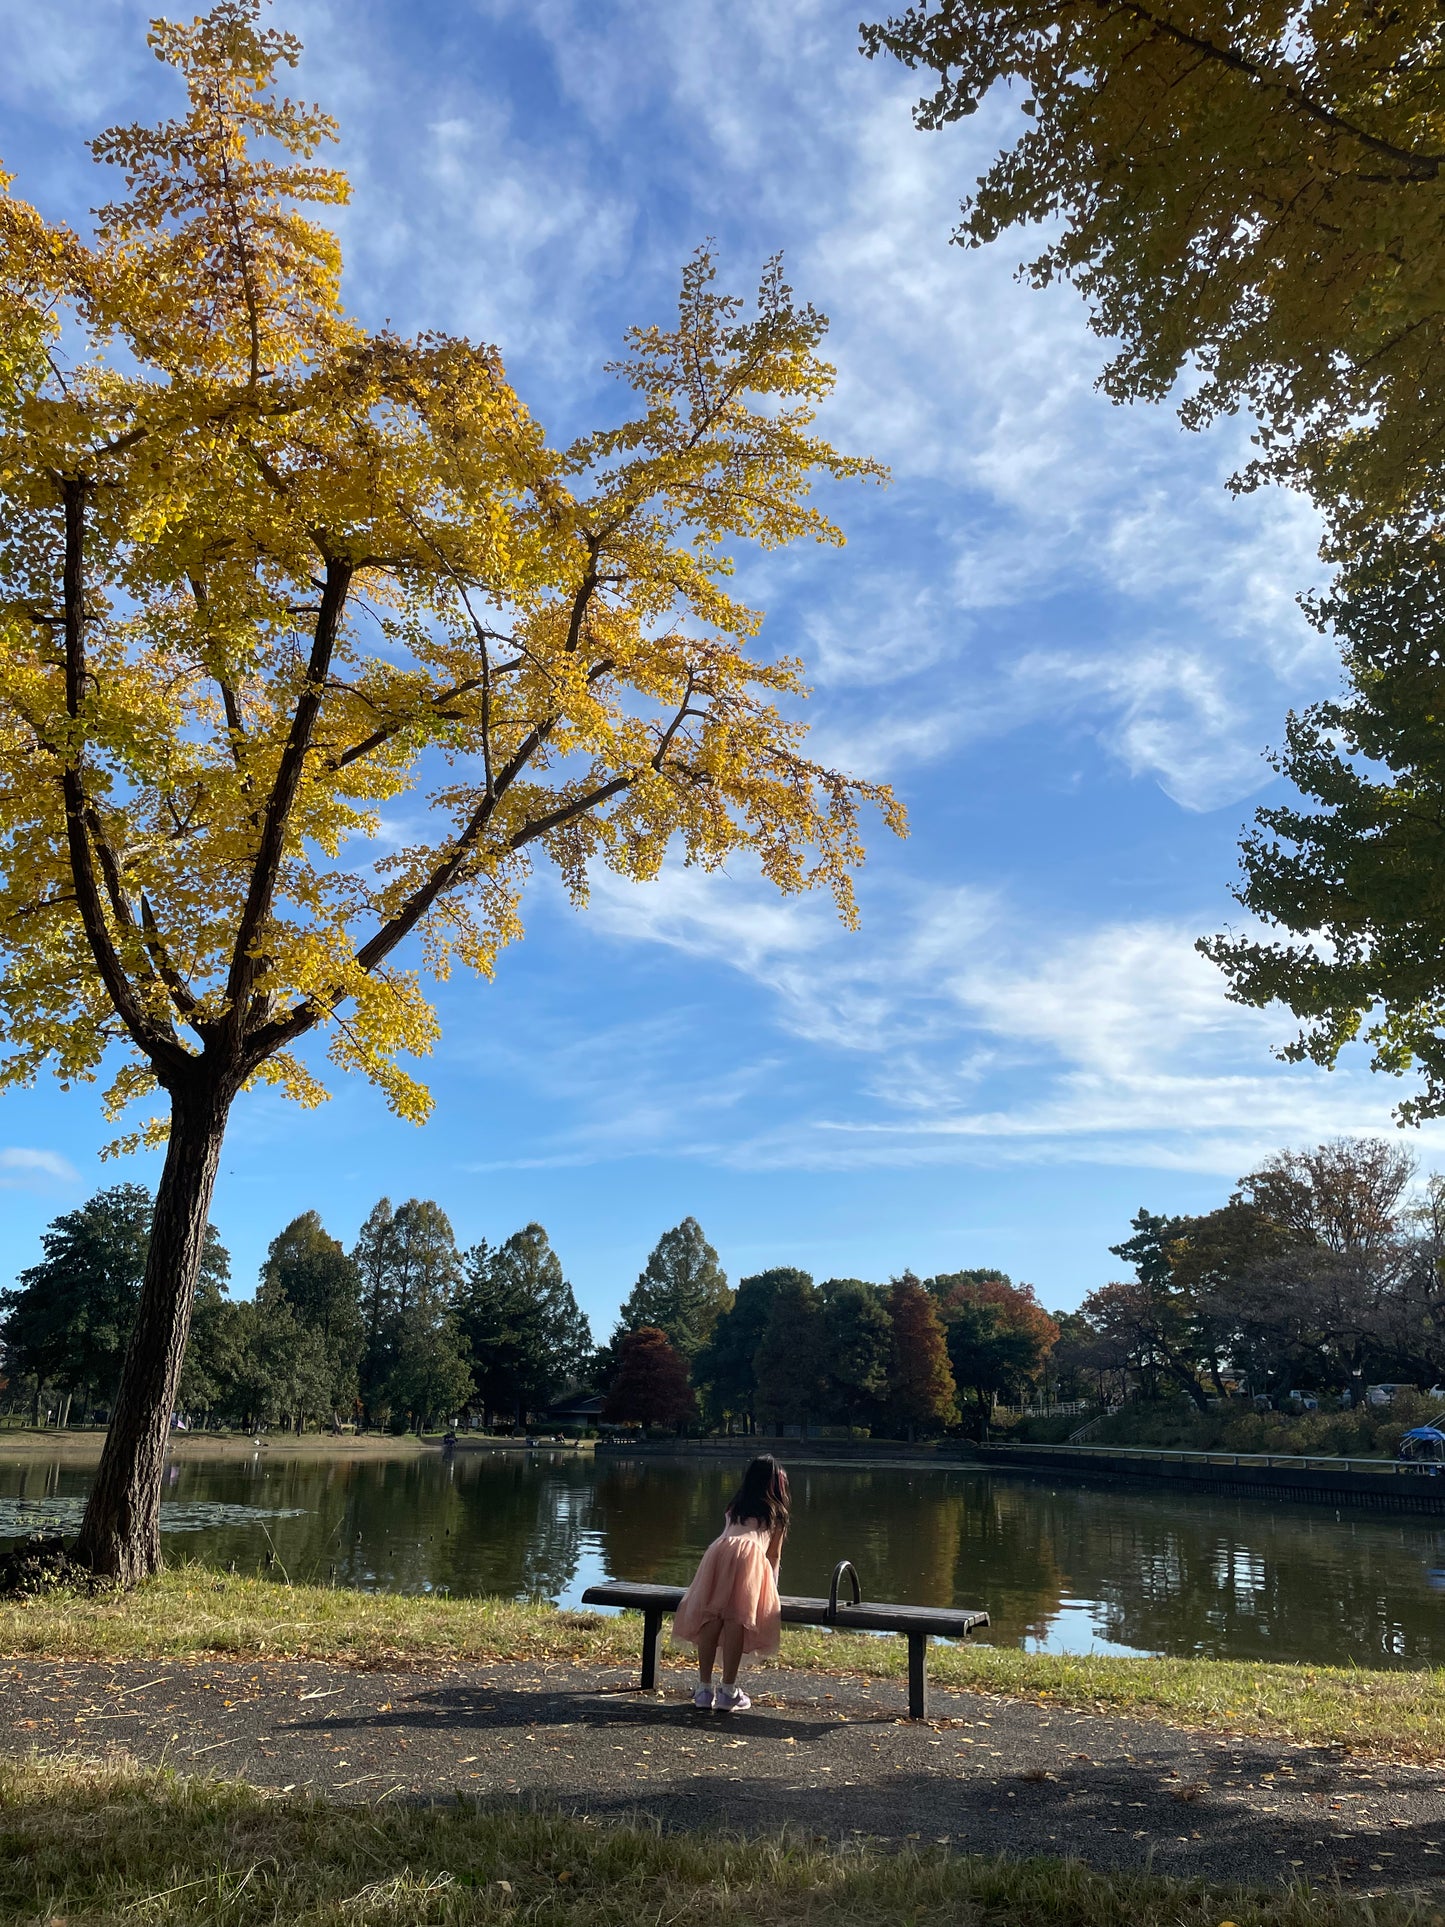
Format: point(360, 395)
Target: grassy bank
point(95, 1846)
point(82, 1446)
point(191, 1612)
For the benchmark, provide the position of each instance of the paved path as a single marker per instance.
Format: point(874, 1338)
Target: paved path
point(828, 1756)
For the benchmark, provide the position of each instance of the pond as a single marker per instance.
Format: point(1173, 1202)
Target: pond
point(1072, 1569)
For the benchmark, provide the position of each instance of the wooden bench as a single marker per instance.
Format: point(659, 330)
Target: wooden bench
point(916, 1623)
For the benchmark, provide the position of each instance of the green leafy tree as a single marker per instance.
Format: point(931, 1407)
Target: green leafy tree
point(430, 1378)
point(650, 1384)
point(526, 1339)
point(409, 1278)
point(69, 1318)
point(725, 1367)
point(988, 1356)
point(857, 1347)
point(1024, 1334)
point(281, 1372)
point(1345, 877)
point(426, 1373)
point(790, 1366)
point(323, 1287)
point(682, 1291)
point(374, 1256)
point(921, 1391)
point(213, 1353)
point(1254, 189)
point(1169, 1330)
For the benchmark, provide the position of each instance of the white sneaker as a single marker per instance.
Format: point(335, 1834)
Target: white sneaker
point(702, 1698)
point(731, 1699)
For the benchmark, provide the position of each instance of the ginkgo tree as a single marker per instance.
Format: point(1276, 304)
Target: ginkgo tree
point(313, 646)
point(1251, 190)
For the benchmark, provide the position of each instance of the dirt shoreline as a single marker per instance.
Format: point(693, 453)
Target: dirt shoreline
point(83, 1447)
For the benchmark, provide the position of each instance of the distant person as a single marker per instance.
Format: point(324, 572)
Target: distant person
point(732, 1602)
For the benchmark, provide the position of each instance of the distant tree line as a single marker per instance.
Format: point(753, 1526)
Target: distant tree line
point(407, 1330)
point(404, 1330)
point(781, 1351)
point(1323, 1270)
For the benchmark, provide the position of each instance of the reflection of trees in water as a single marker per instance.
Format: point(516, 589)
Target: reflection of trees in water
point(517, 1524)
point(1250, 1582)
point(924, 1538)
point(655, 1519)
point(1155, 1572)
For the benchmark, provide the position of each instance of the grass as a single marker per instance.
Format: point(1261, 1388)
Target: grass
point(87, 1846)
point(191, 1612)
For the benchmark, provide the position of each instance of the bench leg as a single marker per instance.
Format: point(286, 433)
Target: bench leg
point(917, 1676)
point(651, 1643)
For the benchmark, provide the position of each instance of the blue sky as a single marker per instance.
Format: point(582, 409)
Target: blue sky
point(1055, 633)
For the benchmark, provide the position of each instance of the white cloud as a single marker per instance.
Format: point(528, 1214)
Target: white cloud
point(23, 1169)
point(978, 1036)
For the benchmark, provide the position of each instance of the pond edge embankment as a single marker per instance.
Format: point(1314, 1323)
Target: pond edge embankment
point(1378, 1486)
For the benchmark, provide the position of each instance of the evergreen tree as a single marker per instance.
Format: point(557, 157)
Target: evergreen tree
point(426, 1373)
point(858, 1347)
point(791, 1386)
point(374, 1258)
point(525, 1336)
point(921, 1392)
point(650, 1387)
point(682, 1291)
point(67, 1322)
point(410, 1274)
point(725, 1366)
point(323, 1288)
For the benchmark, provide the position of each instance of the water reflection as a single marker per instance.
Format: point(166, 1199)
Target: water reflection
point(1065, 1570)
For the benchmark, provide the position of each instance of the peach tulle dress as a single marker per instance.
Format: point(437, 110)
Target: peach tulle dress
point(734, 1581)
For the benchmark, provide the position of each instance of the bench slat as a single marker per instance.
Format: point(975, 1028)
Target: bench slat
point(917, 1622)
point(947, 1622)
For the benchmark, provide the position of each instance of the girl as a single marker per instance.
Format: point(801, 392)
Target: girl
point(733, 1599)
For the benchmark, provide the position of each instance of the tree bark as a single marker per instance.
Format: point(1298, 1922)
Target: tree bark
point(120, 1533)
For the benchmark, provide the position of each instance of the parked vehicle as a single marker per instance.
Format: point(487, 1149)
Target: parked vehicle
point(1385, 1394)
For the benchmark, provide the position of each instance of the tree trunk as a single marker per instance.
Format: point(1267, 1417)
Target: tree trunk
point(120, 1533)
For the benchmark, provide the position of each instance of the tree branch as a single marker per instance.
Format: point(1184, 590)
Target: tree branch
point(388, 730)
point(402, 922)
point(1423, 167)
point(181, 996)
point(157, 1041)
point(276, 815)
point(579, 806)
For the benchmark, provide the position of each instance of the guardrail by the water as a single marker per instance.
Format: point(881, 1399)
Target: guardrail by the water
point(1319, 1478)
point(1219, 1456)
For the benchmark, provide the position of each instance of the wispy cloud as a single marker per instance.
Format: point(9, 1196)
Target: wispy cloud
point(24, 1169)
point(978, 1036)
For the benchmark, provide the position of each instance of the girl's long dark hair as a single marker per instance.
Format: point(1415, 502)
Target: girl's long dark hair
point(762, 1496)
